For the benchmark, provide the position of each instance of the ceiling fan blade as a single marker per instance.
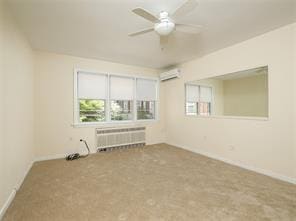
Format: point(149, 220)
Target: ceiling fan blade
point(146, 15)
point(141, 32)
point(185, 8)
point(189, 28)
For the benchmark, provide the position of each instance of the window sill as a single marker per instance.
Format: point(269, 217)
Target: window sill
point(114, 124)
point(230, 117)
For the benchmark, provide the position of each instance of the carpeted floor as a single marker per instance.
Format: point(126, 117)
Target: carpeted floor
point(153, 183)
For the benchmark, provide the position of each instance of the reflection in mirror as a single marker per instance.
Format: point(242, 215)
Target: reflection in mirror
point(244, 93)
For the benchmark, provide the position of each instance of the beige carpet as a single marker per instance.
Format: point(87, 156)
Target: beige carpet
point(154, 183)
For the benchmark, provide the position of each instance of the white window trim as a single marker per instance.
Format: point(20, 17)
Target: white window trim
point(108, 122)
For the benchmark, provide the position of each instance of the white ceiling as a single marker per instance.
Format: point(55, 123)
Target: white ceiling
point(99, 28)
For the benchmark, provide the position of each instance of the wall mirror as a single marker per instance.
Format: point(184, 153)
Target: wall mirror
point(239, 94)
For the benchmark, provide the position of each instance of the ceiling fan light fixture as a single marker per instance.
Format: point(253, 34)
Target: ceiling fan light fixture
point(164, 23)
point(164, 28)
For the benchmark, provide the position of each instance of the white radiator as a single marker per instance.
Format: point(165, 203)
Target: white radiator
point(113, 138)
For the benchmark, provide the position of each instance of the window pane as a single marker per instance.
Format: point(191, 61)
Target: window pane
point(191, 108)
point(91, 110)
point(204, 108)
point(121, 110)
point(145, 110)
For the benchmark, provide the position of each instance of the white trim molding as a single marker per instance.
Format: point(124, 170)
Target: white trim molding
point(238, 164)
point(7, 203)
point(198, 151)
point(19, 184)
point(14, 190)
point(50, 157)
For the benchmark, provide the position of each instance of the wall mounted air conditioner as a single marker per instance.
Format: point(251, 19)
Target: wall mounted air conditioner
point(172, 74)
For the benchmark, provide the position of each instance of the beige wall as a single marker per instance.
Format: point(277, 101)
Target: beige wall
point(267, 145)
point(17, 106)
point(246, 96)
point(54, 103)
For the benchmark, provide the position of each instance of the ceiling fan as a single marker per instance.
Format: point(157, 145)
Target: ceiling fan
point(165, 24)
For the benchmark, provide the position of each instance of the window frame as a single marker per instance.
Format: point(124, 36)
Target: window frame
point(211, 103)
point(108, 121)
point(156, 101)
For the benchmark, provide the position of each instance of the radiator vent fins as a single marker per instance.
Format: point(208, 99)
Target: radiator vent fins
point(118, 138)
point(119, 130)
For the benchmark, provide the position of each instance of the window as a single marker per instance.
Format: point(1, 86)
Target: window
point(205, 100)
point(192, 98)
point(198, 100)
point(121, 97)
point(105, 98)
point(146, 99)
point(92, 97)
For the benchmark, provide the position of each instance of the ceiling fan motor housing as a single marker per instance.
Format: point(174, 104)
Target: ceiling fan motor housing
point(166, 26)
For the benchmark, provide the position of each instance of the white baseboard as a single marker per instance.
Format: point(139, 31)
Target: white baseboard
point(239, 164)
point(208, 154)
point(51, 157)
point(7, 203)
point(14, 190)
point(57, 156)
point(18, 185)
